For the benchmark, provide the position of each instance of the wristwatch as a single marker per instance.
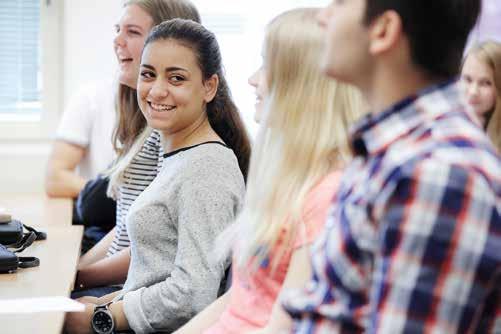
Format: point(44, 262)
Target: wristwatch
point(102, 320)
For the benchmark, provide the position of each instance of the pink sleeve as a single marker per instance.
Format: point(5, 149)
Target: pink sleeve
point(316, 209)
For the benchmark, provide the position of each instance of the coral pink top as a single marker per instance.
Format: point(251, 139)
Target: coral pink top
point(253, 295)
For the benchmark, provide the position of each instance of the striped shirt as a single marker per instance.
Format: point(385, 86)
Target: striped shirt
point(137, 176)
point(413, 240)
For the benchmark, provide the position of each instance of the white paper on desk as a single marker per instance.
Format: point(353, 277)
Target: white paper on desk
point(41, 304)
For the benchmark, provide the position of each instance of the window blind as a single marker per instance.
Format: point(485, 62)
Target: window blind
point(20, 80)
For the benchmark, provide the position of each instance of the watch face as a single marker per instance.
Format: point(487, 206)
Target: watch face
point(102, 322)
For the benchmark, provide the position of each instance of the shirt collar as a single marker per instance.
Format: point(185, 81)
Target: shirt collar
point(374, 133)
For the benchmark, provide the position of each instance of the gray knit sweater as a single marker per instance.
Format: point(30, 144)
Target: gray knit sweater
point(172, 226)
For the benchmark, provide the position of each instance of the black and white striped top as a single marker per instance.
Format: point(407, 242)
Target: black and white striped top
point(137, 176)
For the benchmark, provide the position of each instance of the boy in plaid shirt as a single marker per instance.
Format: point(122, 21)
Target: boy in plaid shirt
point(413, 241)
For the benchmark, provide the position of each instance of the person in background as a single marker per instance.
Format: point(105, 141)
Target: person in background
point(172, 225)
point(295, 169)
point(82, 149)
point(481, 79)
point(83, 141)
point(412, 240)
point(104, 268)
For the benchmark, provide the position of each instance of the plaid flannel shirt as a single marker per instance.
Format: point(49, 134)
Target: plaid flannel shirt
point(413, 240)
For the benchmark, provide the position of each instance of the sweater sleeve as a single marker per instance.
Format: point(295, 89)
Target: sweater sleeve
point(205, 205)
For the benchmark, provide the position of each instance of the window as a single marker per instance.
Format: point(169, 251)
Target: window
point(19, 57)
point(239, 27)
point(29, 67)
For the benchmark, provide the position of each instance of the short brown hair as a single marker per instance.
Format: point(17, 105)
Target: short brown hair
point(437, 30)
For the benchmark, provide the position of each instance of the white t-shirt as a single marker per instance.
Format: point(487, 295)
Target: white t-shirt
point(88, 121)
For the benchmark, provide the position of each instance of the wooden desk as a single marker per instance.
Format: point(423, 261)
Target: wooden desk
point(38, 209)
point(58, 260)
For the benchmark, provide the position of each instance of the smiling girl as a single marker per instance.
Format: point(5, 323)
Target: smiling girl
point(105, 266)
point(172, 225)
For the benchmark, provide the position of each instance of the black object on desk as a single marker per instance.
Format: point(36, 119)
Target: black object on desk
point(14, 240)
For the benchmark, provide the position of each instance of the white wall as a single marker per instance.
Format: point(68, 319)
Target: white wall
point(88, 37)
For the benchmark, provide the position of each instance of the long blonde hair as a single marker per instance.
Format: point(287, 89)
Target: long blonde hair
point(303, 137)
point(489, 52)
